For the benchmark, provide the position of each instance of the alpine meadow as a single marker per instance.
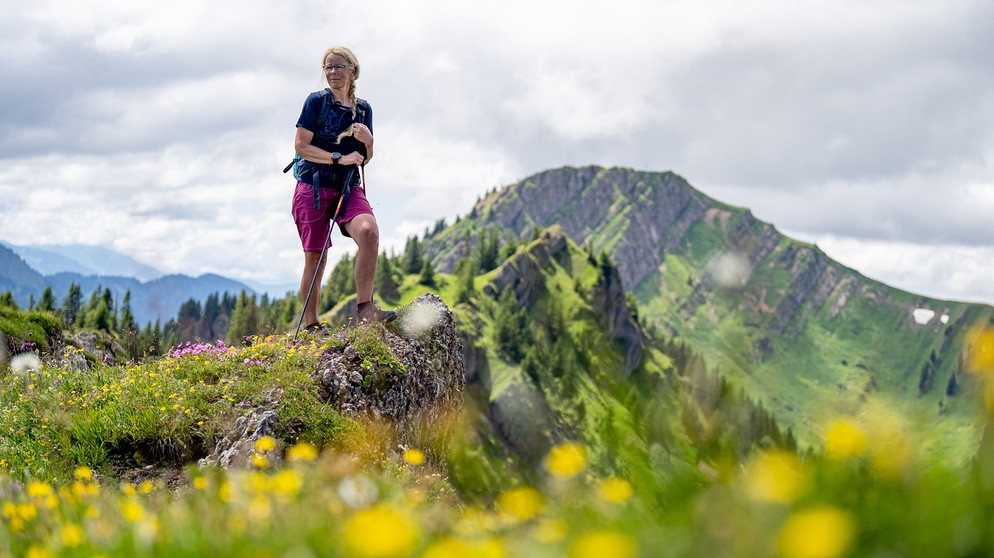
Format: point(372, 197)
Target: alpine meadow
point(592, 362)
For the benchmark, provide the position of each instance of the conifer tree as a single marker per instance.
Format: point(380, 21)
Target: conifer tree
point(339, 284)
point(100, 318)
point(427, 276)
point(413, 260)
point(7, 301)
point(489, 248)
point(466, 273)
point(509, 327)
point(47, 302)
point(386, 285)
point(189, 321)
point(31, 301)
point(510, 248)
point(72, 306)
point(244, 320)
point(126, 322)
point(440, 226)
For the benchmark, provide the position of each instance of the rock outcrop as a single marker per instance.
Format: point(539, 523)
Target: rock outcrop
point(415, 400)
point(418, 406)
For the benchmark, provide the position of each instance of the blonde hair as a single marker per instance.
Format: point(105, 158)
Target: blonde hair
point(349, 57)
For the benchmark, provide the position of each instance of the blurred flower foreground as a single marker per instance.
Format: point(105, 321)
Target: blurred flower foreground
point(391, 473)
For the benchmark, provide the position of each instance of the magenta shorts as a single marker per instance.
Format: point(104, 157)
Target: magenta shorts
point(314, 225)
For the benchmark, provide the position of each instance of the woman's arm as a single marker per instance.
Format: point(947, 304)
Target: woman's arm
point(303, 147)
point(362, 133)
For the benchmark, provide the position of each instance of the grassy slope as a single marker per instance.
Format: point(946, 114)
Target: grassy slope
point(867, 356)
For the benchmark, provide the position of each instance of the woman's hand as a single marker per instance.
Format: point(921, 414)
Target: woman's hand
point(361, 132)
point(354, 158)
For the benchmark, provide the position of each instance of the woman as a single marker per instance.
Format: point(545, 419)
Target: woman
point(339, 146)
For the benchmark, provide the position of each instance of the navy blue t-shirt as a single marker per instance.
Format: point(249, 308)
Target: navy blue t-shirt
point(338, 120)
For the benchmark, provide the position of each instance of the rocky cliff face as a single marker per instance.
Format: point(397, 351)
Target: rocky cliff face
point(773, 311)
point(646, 211)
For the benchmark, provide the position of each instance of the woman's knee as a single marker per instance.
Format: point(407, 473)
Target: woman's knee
point(365, 232)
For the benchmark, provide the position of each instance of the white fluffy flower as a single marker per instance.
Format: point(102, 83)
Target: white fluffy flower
point(24, 363)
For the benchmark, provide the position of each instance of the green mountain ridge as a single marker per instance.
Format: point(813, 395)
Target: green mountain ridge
point(553, 354)
point(808, 337)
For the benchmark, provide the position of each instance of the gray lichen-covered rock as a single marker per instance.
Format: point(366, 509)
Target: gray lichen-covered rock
point(235, 449)
point(419, 400)
point(410, 388)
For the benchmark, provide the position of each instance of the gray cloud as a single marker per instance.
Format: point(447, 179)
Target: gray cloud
point(161, 130)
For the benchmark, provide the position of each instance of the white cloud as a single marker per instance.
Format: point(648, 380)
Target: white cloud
point(161, 129)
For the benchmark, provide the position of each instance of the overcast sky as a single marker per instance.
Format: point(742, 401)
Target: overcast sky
point(161, 129)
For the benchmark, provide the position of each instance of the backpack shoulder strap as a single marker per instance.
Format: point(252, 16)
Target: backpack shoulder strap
point(325, 106)
point(362, 110)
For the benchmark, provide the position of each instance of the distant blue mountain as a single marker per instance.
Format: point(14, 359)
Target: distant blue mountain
point(157, 299)
point(84, 260)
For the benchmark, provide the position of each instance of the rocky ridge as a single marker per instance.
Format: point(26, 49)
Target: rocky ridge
point(413, 401)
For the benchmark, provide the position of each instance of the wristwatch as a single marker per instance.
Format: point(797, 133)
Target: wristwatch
point(335, 156)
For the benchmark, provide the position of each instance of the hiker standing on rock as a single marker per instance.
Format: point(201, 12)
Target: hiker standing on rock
point(334, 140)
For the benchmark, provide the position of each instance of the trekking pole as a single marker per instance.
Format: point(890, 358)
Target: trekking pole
point(317, 269)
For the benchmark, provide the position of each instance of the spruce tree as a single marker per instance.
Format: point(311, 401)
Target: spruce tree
point(72, 306)
point(47, 301)
point(386, 285)
point(413, 260)
point(244, 320)
point(126, 321)
point(7, 301)
point(510, 248)
point(339, 284)
point(427, 277)
point(489, 249)
point(465, 287)
point(509, 327)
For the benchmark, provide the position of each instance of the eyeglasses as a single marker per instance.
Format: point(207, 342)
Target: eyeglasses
point(338, 68)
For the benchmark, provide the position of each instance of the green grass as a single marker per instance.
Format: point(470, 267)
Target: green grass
point(55, 419)
point(604, 491)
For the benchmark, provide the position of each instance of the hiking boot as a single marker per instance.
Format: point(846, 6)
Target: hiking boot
point(316, 328)
point(369, 312)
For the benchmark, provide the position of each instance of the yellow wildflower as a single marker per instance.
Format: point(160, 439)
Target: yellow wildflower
point(224, 492)
point(521, 503)
point(614, 490)
point(265, 443)
point(84, 474)
point(27, 511)
point(302, 452)
point(286, 482)
point(567, 460)
point(821, 532)
point(980, 350)
point(132, 510)
point(72, 535)
point(380, 532)
point(146, 487)
point(259, 461)
point(775, 476)
point(414, 457)
point(37, 489)
point(844, 439)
